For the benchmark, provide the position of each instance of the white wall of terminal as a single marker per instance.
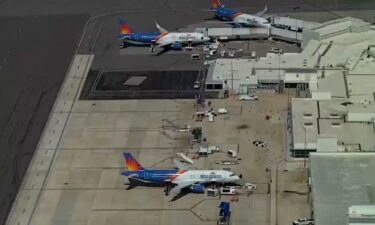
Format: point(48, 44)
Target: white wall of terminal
point(242, 72)
point(361, 214)
point(334, 28)
point(304, 124)
point(361, 113)
point(332, 53)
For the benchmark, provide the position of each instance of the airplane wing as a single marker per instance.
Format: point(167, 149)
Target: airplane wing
point(181, 185)
point(164, 44)
point(179, 164)
point(161, 29)
point(262, 12)
point(132, 178)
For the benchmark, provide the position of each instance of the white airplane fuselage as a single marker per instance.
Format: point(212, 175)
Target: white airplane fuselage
point(193, 38)
point(205, 176)
point(251, 20)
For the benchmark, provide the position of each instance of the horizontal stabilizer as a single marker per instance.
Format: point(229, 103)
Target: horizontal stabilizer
point(179, 164)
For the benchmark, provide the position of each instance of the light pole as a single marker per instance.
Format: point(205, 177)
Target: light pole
point(304, 158)
point(231, 70)
point(279, 72)
point(295, 10)
point(276, 181)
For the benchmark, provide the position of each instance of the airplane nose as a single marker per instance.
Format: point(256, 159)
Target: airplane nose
point(240, 176)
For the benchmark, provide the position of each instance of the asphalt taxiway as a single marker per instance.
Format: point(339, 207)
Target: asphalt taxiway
point(31, 70)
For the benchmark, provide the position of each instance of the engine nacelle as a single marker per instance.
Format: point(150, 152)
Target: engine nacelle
point(197, 188)
point(176, 46)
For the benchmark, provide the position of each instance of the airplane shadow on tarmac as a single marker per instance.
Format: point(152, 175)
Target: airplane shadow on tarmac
point(133, 183)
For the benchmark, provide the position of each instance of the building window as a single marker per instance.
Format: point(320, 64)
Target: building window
point(307, 115)
point(214, 86)
point(335, 124)
point(308, 124)
point(218, 86)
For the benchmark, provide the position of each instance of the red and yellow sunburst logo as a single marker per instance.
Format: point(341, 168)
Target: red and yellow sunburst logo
point(125, 29)
point(216, 4)
point(131, 163)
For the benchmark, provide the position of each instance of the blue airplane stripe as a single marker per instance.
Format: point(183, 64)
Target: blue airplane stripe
point(157, 176)
point(226, 13)
point(147, 37)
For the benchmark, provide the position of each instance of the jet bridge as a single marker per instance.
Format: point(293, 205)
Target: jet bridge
point(229, 33)
point(287, 22)
point(283, 28)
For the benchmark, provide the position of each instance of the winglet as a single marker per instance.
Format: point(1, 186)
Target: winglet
point(160, 28)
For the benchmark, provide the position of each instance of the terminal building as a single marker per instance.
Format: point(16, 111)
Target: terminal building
point(334, 78)
point(343, 188)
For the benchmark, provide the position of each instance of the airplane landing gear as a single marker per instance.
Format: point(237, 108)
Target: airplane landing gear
point(167, 187)
point(152, 47)
point(124, 45)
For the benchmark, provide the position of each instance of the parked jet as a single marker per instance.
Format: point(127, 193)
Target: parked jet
point(135, 38)
point(176, 40)
point(239, 18)
point(173, 179)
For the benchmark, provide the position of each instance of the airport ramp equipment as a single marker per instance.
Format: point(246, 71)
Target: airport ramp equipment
point(224, 214)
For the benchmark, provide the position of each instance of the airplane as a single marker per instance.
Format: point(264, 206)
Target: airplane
point(175, 180)
point(239, 18)
point(135, 38)
point(176, 40)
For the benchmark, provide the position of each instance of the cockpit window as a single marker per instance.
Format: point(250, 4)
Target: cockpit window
point(232, 174)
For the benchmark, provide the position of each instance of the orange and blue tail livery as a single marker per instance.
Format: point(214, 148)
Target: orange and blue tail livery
point(131, 163)
point(216, 4)
point(124, 27)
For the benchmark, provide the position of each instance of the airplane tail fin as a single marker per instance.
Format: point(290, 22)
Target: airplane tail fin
point(131, 163)
point(261, 13)
point(216, 4)
point(160, 28)
point(124, 27)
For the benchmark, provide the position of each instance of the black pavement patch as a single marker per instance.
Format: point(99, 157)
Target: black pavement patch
point(140, 85)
